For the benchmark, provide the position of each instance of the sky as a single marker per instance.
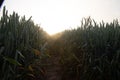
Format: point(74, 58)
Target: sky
point(57, 15)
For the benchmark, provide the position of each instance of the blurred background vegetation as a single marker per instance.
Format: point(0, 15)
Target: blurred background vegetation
point(90, 52)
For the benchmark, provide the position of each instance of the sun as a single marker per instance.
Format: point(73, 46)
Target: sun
point(52, 31)
point(56, 16)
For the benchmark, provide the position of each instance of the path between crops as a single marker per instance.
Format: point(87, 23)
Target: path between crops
point(53, 68)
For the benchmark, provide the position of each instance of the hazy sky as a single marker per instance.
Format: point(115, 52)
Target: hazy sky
point(57, 15)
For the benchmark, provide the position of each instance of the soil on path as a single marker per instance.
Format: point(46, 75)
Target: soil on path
point(53, 68)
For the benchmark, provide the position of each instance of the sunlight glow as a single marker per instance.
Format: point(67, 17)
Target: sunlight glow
point(57, 15)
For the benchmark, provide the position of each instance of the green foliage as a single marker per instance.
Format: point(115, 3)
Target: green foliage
point(18, 40)
point(91, 52)
point(12, 61)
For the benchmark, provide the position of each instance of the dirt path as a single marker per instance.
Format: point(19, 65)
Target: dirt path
point(53, 68)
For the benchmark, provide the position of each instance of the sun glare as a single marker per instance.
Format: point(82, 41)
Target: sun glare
point(58, 15)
